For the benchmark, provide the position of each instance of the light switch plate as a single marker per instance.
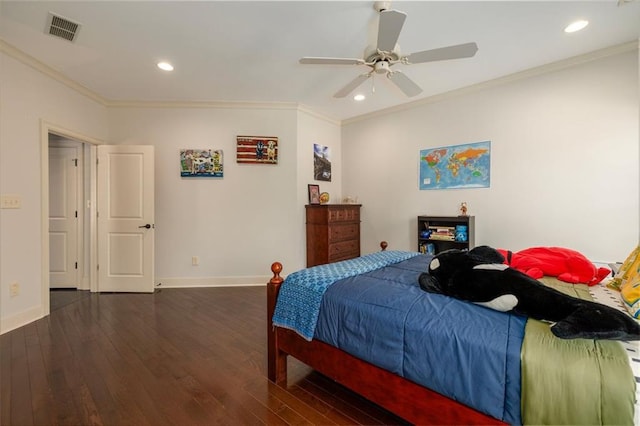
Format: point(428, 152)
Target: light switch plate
point(10, 202)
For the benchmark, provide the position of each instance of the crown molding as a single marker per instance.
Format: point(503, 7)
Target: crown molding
point(57, 76)
point(223, 105)
point(532, 72)
point(204, 104)
point(48, 71)
point(306, 110)
point(543, 69)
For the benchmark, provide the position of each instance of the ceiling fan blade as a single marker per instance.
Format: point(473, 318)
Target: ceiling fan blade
point(352, 85)
point(331, 61)
point(458, 51)
point(389, 28)
point(404, 83)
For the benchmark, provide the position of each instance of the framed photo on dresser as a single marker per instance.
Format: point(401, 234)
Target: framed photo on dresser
point(314, 194)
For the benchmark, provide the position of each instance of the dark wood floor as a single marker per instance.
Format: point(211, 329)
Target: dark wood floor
point(176, 357)
point(61, 297)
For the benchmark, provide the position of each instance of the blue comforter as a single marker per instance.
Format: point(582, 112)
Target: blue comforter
point(466, 352)
point(301, 293)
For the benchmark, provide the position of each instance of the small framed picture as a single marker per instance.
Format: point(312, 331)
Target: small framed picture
point(314, 194)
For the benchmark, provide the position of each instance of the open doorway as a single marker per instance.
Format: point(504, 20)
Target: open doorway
point(68, 214)
point(68, 192)
point(127, 193)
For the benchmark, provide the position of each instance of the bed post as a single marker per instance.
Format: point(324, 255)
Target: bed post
point(276, 359)
point(383, 245)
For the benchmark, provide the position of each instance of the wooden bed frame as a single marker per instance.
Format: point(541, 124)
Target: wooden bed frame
point(402, 397)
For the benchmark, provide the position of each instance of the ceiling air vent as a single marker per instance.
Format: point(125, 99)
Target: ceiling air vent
point(61, 27)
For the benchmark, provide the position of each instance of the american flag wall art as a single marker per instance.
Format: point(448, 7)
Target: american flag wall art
point(257, 149)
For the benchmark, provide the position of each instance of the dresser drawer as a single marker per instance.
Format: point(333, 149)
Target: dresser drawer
point(333, 233)
point(344, 214)
point(344, 232)
point(344, 250)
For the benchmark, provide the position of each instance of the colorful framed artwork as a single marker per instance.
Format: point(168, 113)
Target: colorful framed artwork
point(456, 166)
point(257, 149)
point(314, 194)
point(201, 163)
point(321, 162)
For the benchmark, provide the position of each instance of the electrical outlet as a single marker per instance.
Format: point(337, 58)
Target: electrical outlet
point(195, 261)
point(10, 202)
point(14, 289)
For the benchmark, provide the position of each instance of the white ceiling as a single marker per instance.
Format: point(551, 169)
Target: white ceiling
point(248, 51)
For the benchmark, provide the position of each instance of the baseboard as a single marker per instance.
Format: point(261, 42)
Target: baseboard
point(212, 282)
point(20, 319)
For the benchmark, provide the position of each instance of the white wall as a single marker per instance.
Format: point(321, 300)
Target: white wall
point(237, 225)
point(564, 158)
point(564, 162)
point(315, 130)
point(28, 97)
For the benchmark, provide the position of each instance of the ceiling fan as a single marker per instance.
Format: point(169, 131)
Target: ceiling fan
point(387, 53)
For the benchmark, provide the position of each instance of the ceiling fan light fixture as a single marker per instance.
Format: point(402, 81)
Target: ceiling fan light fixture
point(381, 67)
point(165, 66)
point(576, 26)
point(386, 53)
point(359, 97)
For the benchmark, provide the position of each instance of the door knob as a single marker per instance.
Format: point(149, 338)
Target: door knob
point(148, 226)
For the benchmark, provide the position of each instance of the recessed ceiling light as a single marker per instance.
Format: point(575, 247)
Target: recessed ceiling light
point(358, 97)
point(576, 26)
point(166, 66)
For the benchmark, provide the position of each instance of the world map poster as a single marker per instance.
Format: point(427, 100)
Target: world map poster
point(457, 166)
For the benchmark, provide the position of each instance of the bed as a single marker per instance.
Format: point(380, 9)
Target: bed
point(401, 386)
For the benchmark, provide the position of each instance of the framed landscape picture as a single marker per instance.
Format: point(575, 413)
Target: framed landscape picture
point(321, 162)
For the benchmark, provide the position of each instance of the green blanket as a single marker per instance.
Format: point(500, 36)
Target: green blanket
point(574, 382)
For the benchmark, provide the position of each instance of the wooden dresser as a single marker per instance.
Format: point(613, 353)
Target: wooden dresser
point(333, 233)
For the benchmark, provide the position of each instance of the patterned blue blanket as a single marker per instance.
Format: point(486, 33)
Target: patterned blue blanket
point(301, 293)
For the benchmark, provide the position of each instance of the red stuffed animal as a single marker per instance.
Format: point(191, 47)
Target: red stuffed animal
point(567, 265)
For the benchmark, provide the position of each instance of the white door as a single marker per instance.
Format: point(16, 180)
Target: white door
point(63, 217)
point(125, 218)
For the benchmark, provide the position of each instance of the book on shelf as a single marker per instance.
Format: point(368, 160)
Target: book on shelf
point(442, 228)
point(427, 248)
point(442, 237)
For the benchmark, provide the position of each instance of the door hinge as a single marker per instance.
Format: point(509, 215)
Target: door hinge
point(75, 162)
point(76, 265)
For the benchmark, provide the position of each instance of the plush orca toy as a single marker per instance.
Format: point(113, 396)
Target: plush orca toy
point(481, 277)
